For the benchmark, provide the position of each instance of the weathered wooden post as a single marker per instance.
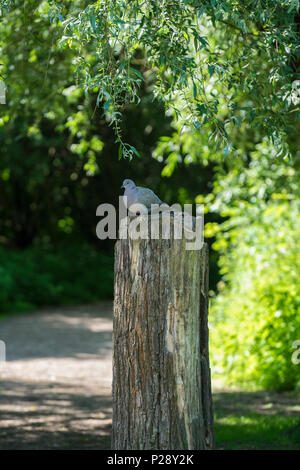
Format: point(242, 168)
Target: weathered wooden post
point(161, 374)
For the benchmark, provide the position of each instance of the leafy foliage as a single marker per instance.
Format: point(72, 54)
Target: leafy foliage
point(256, 314)
point(185, 47)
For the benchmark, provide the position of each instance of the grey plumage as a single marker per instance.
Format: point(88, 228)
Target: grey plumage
point(138, 195)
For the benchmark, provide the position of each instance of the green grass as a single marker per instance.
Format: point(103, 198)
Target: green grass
point(257, 420)
point(254, 431)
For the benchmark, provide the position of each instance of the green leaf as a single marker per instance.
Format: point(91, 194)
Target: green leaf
point(120, 152)
point(138, 73)
point(123, 64)
point(93, 23)
point(195, 92)
point(211, 70)
point(134, 150)
point(201, 11)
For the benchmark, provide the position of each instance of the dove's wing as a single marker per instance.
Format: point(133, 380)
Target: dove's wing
point(147, 197)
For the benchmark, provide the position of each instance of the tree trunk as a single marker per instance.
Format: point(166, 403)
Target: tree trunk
point(161, 374)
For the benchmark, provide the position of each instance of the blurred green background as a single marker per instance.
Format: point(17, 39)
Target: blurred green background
point(59, 161)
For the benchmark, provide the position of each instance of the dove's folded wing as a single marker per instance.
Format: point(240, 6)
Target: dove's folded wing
point(147, 197)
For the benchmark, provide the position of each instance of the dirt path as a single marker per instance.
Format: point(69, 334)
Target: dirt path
point(55, 386)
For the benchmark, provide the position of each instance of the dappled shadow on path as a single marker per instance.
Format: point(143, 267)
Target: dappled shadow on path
point(262, 402)
point(55, 388)
point(53, 416)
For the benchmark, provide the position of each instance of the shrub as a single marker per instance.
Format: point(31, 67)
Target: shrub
point(42, 276)
point(256, 316)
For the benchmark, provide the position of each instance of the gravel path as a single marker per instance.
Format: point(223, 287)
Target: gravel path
point(55, 386)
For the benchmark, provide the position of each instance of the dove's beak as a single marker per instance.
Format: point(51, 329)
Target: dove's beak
point(122, 187)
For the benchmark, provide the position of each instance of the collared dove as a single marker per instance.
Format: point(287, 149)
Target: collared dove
point(138, 195)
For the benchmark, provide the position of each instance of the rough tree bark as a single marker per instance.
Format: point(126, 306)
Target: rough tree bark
point(161, 374)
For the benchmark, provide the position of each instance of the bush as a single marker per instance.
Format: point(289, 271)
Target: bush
point(256, 316)
point(42, 276)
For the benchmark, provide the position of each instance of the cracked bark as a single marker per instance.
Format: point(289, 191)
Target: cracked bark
point(161, 374)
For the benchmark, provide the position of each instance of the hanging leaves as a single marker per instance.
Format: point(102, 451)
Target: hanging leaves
point(122, 43)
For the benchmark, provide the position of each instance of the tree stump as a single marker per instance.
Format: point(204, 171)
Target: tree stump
point(161, 374)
